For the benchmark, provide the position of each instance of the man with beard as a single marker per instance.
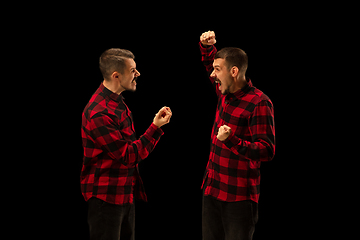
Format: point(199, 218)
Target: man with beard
point(109, 177)
point(242, 137)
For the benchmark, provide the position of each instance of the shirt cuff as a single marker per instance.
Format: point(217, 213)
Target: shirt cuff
point(231, 141)
point(205, 48)
point(155, 131)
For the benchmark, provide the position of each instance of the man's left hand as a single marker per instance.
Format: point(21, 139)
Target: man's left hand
point(162, 117)
point(223, 133)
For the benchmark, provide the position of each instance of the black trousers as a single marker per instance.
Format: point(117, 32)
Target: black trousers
point(228, 220)
point(109, 221)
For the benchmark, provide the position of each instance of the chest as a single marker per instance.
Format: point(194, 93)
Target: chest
point(236, 113)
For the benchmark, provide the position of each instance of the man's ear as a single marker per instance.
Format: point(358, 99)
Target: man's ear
point(115, 75)
point(234, 71)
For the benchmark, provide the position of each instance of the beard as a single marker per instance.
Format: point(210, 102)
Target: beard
point(226, 92)
point(131, 86)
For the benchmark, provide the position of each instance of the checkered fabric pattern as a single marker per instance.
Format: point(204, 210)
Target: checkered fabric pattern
point(233, 170)
point(111, 151)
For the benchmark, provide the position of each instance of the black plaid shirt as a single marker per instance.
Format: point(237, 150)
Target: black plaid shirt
point(233, 170)
point(111, 152)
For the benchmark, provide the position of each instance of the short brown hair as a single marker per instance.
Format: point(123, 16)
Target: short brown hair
point(234, 57)
point(113, 60)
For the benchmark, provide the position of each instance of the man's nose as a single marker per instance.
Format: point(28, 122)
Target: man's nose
point(213, 74)
point(137, 73)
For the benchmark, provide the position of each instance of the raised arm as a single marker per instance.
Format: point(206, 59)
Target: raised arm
point(208, 51)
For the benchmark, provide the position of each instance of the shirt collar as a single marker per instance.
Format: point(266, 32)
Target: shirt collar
point(241, 92)
point(110, 94)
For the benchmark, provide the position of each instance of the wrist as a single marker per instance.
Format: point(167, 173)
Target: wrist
point(157, 125)
point(204, 45)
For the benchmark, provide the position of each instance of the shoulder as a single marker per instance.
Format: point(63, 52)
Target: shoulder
point(96, 105)
point(258, 97)
point(100, 106)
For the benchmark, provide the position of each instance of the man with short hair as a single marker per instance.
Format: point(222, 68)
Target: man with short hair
point(109, 177)
point(242, 137)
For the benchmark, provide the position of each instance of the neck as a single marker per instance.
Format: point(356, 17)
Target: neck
point(113, 86)
point(240, 82)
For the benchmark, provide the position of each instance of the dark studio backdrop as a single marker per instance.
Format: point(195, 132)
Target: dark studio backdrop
point(167, 56)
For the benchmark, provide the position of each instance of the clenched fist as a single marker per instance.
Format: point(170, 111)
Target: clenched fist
point(223, 133)
point(208, 38)
point(162, 117)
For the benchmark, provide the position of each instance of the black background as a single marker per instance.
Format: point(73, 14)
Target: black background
point(166, 51)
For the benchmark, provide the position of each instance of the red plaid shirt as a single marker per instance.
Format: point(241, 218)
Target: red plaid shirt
point(111, 151)
point(233, 170)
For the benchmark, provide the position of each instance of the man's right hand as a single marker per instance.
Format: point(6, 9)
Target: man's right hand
point(208, 38)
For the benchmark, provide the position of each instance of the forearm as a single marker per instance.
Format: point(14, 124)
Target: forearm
point(141, 148)
point(261, 146)
point(207, 56)
point(259, 150)
point(117, 146)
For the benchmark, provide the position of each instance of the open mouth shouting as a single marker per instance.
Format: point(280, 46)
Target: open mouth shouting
point(134, 80)
point(218, 82)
